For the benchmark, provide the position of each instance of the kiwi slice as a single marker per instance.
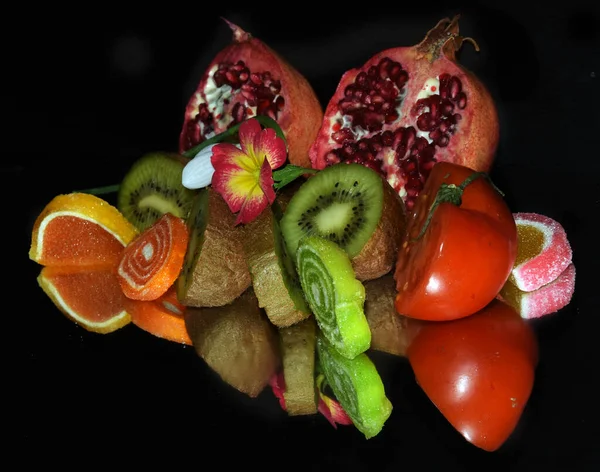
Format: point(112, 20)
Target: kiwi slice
point(333, 294)
point(342, 203)
point(358, 387)
point(152, 187)
point(388, 328)
point(298, 352)
point(215, 271)
point(237, 341)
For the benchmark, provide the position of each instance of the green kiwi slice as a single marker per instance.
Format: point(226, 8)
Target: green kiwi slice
point(333, 294)
point(152, 187)
point(358, 387)
point(342, 203)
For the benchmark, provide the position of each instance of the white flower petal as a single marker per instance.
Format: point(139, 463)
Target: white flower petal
point(199, 171)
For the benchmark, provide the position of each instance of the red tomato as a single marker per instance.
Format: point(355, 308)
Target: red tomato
point(478, 371)
point(465, 254)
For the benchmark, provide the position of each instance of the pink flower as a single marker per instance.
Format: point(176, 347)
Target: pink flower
point(244, 177)
point(328, 407)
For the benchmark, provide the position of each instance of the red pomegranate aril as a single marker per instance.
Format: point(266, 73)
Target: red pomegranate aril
point(247, 78)
point(402, 104)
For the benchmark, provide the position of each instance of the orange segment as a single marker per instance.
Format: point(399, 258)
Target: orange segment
point(80, 229)
point(163, 317)
point(152, 262)
point(91, 299)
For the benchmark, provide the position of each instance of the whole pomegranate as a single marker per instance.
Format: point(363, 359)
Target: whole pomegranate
point(245, 79)
point(405, 109)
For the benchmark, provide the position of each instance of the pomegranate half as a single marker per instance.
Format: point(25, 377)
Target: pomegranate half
point(245, 79)
point(405, 109)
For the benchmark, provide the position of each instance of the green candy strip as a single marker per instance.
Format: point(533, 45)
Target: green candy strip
point(334, 295)
point(357, 386)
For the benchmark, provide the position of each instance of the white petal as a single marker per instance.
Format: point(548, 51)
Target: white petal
point(199, 171)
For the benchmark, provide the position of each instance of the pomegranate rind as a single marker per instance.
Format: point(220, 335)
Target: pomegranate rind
point(475, 141)
point(74, 293)
point(302, 115)
point(88, 208)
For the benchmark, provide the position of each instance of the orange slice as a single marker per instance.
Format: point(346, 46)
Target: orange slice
point(163, 317)
point(92, 299)
point(80, 229)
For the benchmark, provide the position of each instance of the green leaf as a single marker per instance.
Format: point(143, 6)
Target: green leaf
point(100, 190)
point(231, 135)
point(288, 174)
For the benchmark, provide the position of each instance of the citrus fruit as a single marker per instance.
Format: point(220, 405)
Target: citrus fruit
point(81, 230)
point(92, 299)
point(79, 239)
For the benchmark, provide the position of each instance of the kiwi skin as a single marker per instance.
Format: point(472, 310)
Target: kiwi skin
point(152, 187)
point(389, 330)
point(298, 349)
point(237, 341)
point(267, 272)
point(379, 254)
point(221, 272)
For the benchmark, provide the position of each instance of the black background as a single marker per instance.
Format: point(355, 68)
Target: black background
point(88, 90)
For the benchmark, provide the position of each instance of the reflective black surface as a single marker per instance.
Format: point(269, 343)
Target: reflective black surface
point(89, 92)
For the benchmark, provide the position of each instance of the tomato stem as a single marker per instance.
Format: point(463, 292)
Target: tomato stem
point(451, 193)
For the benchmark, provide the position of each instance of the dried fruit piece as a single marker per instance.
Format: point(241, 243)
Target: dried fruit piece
point(298, 353)
point(388, 329)
point(273, 271)
point(237, 341)
point(545, 300)
point(358, 387)
point(334, 295)
point(543, 251)
point(215, 271)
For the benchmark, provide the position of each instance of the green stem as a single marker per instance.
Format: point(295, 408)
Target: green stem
point(100, 190)
point(451, 193)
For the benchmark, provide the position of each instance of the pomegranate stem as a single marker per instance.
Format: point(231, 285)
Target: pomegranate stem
point(451, 193)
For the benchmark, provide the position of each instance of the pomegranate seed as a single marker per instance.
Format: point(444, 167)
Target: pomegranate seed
point(461, 100)
point(455, 87)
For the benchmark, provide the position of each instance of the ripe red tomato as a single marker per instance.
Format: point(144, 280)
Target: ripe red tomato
point(478, 371)
point(464, 255)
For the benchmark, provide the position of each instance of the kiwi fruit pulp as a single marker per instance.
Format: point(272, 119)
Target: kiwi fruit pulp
point(152, 187)
point(342, 203)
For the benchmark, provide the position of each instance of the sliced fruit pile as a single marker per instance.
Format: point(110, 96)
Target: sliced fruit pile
point(385, 247)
